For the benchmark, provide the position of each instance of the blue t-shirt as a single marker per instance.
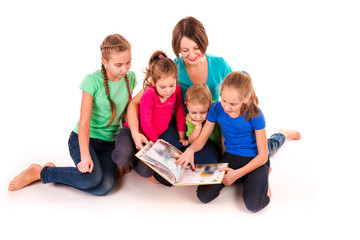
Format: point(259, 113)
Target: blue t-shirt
point(239, 134)
point(218, 69)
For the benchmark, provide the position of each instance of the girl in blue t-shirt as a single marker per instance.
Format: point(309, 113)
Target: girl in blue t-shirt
point(243, 127)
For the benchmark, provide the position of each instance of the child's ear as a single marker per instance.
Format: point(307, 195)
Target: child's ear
point(103, 61)
point(247, 99)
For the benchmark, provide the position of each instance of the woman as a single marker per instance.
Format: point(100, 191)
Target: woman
point(195, 66)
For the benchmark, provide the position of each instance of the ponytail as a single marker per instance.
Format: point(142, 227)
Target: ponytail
point(159, 65)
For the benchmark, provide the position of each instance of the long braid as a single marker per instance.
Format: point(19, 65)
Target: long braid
point(110, 44)
point(122, 117)
point(112, 104)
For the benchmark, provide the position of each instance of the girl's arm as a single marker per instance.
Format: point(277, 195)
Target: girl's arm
point(146, 117)
point(86, 164)
point(262, 157)
point(133, 121)
point(188, 156)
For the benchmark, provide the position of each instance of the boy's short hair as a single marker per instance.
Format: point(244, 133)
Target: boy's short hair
point(198, 94)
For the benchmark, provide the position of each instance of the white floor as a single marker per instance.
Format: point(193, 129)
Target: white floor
point(303, 58)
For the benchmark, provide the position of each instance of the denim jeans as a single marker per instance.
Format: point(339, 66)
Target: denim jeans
point(99, 182)
point(124, 153)
point(255, 182)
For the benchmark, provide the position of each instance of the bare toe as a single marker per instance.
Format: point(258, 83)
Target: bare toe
point(29, 175)
point(291, 134)
point(49, 164)
point(121, 171)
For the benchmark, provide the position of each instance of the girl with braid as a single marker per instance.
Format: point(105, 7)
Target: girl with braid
point(105, 95)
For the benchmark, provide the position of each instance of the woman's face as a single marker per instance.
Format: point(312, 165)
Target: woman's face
point(190, 51)
point(118, 64)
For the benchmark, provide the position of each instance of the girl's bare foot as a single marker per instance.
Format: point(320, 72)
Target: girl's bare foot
point(49, 164)
point(153, 180)
point(121, 171)
point(29, 175)
point(290, 134)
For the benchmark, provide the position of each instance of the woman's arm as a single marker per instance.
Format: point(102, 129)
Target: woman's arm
point(262, 157)
point(86, 164)
point(133, 121)
point(188, 156)
point(180, 115)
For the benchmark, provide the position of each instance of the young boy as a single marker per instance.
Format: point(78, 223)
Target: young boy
point(198, 101)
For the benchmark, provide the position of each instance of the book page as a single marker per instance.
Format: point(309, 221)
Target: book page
point(155, 165)
point(203, 174)
point(163, 153)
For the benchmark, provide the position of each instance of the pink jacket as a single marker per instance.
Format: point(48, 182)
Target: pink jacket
point(155, 115)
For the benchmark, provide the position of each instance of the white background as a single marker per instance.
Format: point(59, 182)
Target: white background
point(303, 57)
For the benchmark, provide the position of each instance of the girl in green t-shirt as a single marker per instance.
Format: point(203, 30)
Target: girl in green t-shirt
point(105, 95)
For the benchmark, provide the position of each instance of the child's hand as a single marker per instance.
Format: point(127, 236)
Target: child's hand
point(139, 140)
point(85, 165)
point(185, 158)
point(184, 142)
point(195, 123)
point(230, 177)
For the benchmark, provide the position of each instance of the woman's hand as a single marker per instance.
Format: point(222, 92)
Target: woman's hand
point(139, 140)
point(85, 165)
point(185, 158)
point(230, 177)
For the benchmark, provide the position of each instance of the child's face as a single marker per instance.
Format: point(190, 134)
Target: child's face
point(165, 86)
point(197, 111)
point(118, 64)
point(231, 101)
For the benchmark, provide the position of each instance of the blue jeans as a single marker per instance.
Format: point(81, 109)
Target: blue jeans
point(124, 153)
point(255, 182)
point(99, 182)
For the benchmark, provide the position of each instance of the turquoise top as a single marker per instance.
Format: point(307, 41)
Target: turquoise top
point(218, 69)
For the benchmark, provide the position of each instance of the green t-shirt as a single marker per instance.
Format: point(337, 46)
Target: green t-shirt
point(101, 109)
point(215, 136)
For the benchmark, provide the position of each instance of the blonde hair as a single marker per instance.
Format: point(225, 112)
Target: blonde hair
point(159, 66)
point(198, 94)
point(242, 82)
point(113, 43)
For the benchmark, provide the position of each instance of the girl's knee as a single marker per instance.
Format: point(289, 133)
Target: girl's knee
point(256, 206)
point(143, 170)
point(91, 180)
point(104, 187)
point(122, 156)
point(205, 195)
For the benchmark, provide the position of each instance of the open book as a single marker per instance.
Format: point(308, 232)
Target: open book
point(159, 157)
